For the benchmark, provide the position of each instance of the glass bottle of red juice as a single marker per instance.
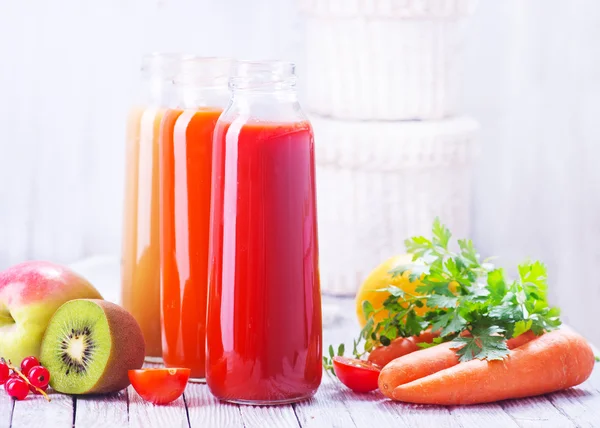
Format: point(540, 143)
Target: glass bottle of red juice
point(264, 331)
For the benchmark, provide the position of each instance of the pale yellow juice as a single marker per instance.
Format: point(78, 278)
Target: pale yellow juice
point(140, 263)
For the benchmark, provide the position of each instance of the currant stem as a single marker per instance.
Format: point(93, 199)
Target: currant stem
point(22, 376)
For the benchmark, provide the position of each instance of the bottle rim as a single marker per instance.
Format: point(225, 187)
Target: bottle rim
point(264, 74)
point(187, 69)
point(205, 72)
point(162, 65)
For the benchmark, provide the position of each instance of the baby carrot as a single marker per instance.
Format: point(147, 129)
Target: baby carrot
point(428, 361)
point(399, 347)
point(554, 361)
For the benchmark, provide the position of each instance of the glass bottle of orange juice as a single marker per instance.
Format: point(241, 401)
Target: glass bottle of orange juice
point(185, 188)
point(140, 263)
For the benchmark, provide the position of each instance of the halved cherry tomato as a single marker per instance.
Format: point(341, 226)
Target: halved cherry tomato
point(358, 375)
point(159, 385)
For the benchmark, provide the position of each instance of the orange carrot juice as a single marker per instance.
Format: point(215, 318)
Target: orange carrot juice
point(185, 163)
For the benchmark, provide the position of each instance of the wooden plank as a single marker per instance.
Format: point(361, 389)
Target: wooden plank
point(6, 409)
point(36, 412)
point(146, 415)
point(269, 417)
point(424, 416)
point(102, 411)
point(536, 412)
point(373, 410)
point(205, 410)
point(594, 379)
point(365, 410)
point(325, 409)
point(485, 415)
point(581, 404)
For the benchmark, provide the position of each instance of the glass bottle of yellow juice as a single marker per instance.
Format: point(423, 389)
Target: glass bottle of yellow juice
point(140, 261)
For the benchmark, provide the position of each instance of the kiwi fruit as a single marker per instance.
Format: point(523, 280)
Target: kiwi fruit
point(89, 347)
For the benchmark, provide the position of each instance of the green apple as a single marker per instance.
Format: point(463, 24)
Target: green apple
point(30, 293)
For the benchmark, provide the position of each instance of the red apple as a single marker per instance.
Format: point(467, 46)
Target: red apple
point(30, 293)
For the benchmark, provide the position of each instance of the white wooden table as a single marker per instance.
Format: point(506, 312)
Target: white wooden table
point(332, 406)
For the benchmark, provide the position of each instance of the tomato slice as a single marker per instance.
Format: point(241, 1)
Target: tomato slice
point(358, 375)
point(159, 385)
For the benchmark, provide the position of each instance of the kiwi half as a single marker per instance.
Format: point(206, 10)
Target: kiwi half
point(90, 345)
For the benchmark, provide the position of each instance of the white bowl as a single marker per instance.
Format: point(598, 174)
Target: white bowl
point(381, 183)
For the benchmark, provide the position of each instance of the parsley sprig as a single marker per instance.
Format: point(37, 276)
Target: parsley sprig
point(464, 294)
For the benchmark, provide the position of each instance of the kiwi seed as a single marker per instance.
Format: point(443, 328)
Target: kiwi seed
point(77, 363)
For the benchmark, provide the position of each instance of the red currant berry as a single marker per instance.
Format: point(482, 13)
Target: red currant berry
point(39, 376)
point(17, 388)
point(4, 373)
point(29, 363)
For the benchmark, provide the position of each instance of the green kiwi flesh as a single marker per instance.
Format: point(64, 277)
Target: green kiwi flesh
point(86, 348)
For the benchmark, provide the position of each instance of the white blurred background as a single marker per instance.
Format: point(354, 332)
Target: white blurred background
point(68, 70)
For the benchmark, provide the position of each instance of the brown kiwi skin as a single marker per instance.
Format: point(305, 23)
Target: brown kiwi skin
point(128, 349)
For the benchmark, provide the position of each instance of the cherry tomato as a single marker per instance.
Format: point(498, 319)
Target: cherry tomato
point(358, 375)
point(159, 386)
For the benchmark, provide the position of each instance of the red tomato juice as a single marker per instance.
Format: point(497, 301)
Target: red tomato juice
point(264, 316)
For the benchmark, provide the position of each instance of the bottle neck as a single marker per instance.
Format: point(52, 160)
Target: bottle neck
point(269, 77)
point(158, 72)
point(268, 106)
point(267, 93)
point(158, 92)
point(197, 97)
point(264, 91)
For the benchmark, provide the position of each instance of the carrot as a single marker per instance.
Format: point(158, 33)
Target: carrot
point(524, 338)
point(399, 347)
point(428, 361)
point(554, 361)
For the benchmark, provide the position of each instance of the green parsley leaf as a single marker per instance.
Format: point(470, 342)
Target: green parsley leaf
point(391, 332)
point(484, 344)
point(418, 246)
point(413, 324)
point(416, 271)
point(367, 308)
point(534, 275)
point(425, 345)
point(450, 322)
point(521, 327)
point(468, 252)
point(429, 286)
point(457, 324)
point(442, 301)
point(441, 234)
point(496, 285)
point(483, 348)
point(393, 290)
